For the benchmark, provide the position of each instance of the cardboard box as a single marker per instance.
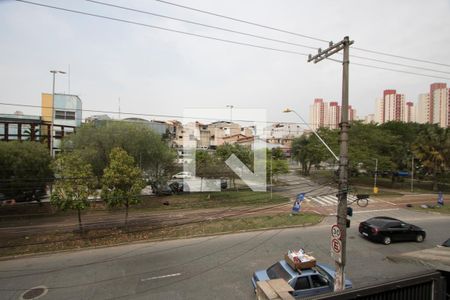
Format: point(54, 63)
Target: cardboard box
point(300, 265)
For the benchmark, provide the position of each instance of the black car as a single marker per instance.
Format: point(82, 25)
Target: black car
point(387, 230)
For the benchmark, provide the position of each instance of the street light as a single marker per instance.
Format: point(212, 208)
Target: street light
point(231, 112)
point(54, 72)
point(288, 110)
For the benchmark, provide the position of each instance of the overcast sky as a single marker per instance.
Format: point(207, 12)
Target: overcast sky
point(158, 72)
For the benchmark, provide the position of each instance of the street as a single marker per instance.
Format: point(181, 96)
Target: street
point(218, 267)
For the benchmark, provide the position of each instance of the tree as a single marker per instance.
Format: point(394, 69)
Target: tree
point(74, 184)
point(223, 152)
point(430, 149)
point(24, 169)
point(147, 148)
point(122, 181)
point(276, 164)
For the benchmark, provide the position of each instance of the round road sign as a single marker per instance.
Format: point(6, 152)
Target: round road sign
point(336, 245)
point(336, 231)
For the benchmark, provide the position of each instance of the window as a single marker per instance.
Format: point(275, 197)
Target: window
point(64, 115)
point(277, 271)
point(302, 283)
point(318, 281)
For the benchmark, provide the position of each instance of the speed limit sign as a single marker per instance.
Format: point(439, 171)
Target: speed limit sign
point(336, 232)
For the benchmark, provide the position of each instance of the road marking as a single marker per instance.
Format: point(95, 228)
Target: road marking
point(159, 277)
point(386, 202)
point(375, 210)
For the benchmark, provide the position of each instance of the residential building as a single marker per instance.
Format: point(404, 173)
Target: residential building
point(219, 130)
point(351, 114)
point(283, 130)
point(334, 115)
point(317, 114)
point(390, 108)
point(438, 99)
point(379, 111)
point(423, 109)
point(409, 115)
point(370, 118)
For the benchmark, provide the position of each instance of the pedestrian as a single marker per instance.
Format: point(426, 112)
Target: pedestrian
point(440, 199)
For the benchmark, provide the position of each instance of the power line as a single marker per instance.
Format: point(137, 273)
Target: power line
point(211, 37)
point(256, 36)
point(243, 21)
point(399, 71)
point(158, 115)
point(296, 34)
point(163, 28)
point(202, 24)
point(402, 57)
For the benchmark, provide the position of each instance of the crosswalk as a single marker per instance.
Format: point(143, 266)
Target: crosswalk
point(329, 200)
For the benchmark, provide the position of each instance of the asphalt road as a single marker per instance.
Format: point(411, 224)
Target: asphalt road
point(218, 267)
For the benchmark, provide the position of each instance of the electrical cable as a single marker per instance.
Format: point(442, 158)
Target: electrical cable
point(162, 28)
point(297, 34)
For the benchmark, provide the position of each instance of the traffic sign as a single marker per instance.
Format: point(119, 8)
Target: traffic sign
point(336, 249)
point(336, 232)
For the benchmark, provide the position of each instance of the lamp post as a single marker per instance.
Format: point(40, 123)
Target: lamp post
point(288, 110)
point(375, 189)
point(54, 72)
point(231, 112)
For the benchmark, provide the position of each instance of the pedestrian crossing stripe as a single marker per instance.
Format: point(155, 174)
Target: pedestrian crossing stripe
point(328, 200)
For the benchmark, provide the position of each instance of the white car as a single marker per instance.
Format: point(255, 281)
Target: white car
point(182, 175)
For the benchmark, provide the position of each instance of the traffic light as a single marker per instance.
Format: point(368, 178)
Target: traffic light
point(349, 213)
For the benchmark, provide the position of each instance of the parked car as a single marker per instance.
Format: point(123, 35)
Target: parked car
point(387, 230)
point(182, 175)
point(314, 281)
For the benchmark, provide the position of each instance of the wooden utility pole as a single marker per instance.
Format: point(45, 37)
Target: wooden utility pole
point(339, 243)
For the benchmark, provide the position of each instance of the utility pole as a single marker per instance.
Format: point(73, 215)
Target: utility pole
point(339, 243)
point(375, 189)
point(412, 173)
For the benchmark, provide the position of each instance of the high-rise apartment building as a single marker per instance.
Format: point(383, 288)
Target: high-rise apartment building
point(317, 113)
point(438, 99)
point(423, 109)
point(409, 115)
point(334, 115)
point(324, 114)
point(391, 107)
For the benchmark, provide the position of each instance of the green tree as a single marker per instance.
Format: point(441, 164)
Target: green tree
point(74, 183)
point(148, 149)
point(276, 164)
point(223, 152)
point(24, 169)
point(122, 181)
point(430, 149)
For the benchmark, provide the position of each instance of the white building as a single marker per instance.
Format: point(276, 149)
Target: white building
point(423, 108)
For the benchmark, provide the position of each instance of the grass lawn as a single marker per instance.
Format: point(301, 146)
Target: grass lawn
point(115, 236)
point(210, 200)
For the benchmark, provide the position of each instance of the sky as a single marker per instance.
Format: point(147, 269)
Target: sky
point(157, 72)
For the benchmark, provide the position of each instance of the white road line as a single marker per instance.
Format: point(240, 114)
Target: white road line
point(333, 199)
point(385, 201)
point(320, 201)
point(375, 210)
point(159, 277)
